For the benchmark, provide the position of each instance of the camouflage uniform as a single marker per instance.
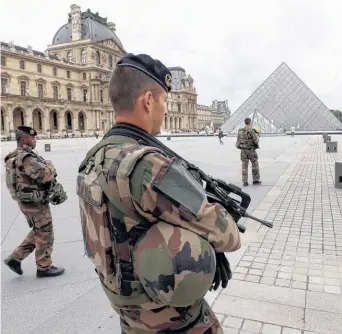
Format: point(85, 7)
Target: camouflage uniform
point(34, 175)
point(131, 178)
point(248, 142)
point(154, 244)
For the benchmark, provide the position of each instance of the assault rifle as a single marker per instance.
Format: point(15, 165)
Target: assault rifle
point(220, 192)
point(55, 194)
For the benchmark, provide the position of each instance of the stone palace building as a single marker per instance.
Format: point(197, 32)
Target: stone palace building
point(214, 115)
point(64, 90)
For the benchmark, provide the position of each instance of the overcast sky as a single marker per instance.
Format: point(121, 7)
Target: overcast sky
point(228, 47)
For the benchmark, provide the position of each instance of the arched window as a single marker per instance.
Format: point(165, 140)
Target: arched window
point(98, 60)
point(68, 121)
point(110, 61)
point(81, 121)
point(69, 57)
point(83, 56)
point(40, 123)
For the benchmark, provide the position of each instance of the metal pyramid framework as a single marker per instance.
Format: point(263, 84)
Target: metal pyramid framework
point(285, 100)
point(259, 121)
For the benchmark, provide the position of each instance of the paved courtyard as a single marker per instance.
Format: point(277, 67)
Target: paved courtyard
point(286, 280)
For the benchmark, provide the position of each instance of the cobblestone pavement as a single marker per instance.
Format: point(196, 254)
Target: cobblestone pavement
point(289, 279)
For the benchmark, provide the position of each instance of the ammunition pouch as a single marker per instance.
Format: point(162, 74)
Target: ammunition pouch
point(57, 195)
point(31, 197)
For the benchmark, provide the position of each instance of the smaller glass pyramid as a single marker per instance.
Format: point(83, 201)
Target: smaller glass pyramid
point(259, 121)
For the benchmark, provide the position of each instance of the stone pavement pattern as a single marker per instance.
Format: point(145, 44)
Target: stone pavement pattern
point(286, 280)
point(289, 279)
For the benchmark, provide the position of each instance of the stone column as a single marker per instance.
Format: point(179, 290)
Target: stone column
point(61, 120)
point(45, 120)
point(28, 117)
point(6, 125)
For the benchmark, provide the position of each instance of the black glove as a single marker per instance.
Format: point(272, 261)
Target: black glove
point(223, 273)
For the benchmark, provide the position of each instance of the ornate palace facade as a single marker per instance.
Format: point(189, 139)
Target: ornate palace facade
point(214, 115)
point(64, 90)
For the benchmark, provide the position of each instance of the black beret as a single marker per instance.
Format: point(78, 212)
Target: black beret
point(27, 129)
point(152, 67)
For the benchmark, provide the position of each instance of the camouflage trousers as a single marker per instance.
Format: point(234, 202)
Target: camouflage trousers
point(40, 238)
point(251, 155)
point(170, 320)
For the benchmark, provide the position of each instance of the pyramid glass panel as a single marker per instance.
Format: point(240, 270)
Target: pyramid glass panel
point(285, 101)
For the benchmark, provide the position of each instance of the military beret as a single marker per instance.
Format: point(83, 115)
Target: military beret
point(152, 67)
point(27, 129)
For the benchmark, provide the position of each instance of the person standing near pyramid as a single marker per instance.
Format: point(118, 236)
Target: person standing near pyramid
point(248, 142)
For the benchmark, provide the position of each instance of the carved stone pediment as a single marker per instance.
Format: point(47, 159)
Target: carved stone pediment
point(22, 78)
point(110, 43)
point(55, 83)
point(41, 80)
point(5, 75)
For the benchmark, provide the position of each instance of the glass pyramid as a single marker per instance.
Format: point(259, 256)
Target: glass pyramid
point(259, 121)
point(285, 100)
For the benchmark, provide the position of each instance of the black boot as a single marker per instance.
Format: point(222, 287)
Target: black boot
point(52, 271)
point(14, 265)
point(256, 182)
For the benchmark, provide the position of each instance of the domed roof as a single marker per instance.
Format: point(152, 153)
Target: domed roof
point(93, 27)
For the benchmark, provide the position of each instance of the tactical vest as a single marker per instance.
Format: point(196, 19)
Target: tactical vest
point(106, 212)
point(21, 187)
point(245, 140)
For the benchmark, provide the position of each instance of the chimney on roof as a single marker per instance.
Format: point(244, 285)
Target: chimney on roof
point(76, 22)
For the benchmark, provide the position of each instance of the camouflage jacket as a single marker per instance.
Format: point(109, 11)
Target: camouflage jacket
point(130, 177)
point(31, 174)
point(247, 139)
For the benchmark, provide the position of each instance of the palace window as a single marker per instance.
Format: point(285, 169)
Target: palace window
point(83, 56)
point(69, 57)
point(22, 64)
point(54, 71)
point(84, 76)
point(39, 68)
point(4, 84)
point(101, 96)
point(40, 123)
point(40, 90)
point(85, 91)
point(110, 62)
point(98, 59)
point(55, 92)
point(69, 94)
point(23, 88)
point(68, 74)
point(3, 61)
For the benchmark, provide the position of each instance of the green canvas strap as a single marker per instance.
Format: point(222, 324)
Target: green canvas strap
point(104, 142)
point(113, 198)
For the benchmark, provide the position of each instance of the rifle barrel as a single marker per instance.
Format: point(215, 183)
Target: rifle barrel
point(263, 222)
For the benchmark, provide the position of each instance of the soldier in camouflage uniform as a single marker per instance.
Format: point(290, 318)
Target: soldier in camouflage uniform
point(147, 224)
point(29, 180)
point(248, 142)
